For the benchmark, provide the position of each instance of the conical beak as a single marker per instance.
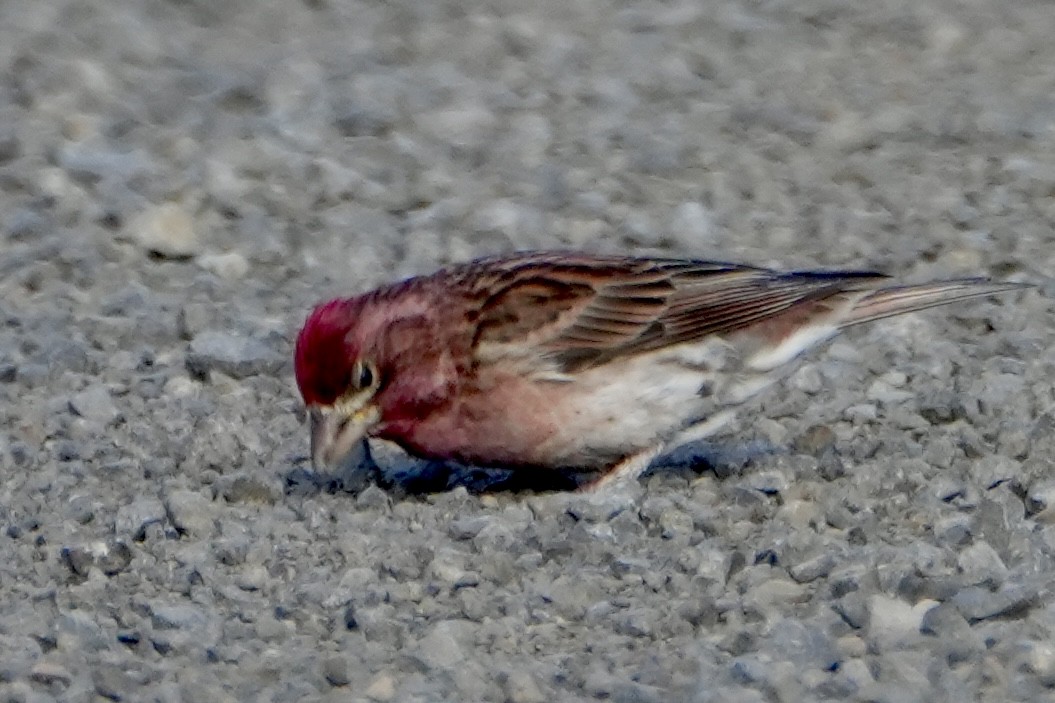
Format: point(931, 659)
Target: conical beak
point(335, 434)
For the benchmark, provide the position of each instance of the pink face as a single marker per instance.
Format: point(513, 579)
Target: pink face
point(325, 358)
point(370, 366)
point(338, 387)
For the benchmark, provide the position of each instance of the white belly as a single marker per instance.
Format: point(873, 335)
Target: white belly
point(628, 406)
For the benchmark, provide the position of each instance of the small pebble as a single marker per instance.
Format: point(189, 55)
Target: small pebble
point(190, 512)
point(96, 405)
point(382, 688)
point(233, 355)
point(166, 230)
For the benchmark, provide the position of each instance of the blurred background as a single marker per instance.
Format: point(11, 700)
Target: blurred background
point(355, 141)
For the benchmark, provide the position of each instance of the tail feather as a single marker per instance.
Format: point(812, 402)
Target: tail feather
point(895, 300)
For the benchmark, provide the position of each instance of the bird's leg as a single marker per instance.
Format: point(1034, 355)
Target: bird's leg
point(703, 430)
point(629, 469)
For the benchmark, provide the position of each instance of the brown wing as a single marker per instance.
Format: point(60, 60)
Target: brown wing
point(576, 311)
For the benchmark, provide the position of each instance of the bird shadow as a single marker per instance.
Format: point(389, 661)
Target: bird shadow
point(403, 475)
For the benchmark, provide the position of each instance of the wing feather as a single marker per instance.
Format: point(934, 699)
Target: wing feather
point(574, 311)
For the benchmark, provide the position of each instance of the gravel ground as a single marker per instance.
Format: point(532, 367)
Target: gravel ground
point(181, 181)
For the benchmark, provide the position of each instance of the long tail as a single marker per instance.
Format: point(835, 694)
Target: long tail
point(895, 300)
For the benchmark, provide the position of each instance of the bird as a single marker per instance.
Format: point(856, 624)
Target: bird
point(568, 361)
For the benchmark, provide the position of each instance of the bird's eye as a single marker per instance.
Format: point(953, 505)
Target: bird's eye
point(363, 375)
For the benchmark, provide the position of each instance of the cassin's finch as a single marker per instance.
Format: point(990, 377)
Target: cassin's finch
point(573, 361)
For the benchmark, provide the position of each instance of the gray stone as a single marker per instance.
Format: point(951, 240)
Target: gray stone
point(133, 518)
point(234, 355)
point(638, 622)
point(378, 624)
point(806, 645)
point(90, 165)
point(335, 670)
point(96, 405)
point(8, 373)
point(78, 559)
point(816, 440)
point(382, 688)
point(1039, 660)
point(676, 524)
point(253, 578)
point(468, 527)
point(230, 265)
point(813, 568)
point(448, 566)
point(113, 682)
point(166, 230)
point(441, 648)
point(853, 608)
point(192, 319)
point(692, 225)
point(80, 631)
point(494, 536)
point(65, 354)
point(352, 586)
point(954, 530)
point(946, 623)
point(373, 498)
point(893, 623)
point(521, 687)
point(25, 225)
point(1040, 500)
point(51, 673)
point(190, 512)
point(807, 379)
point(248, 489)
point(178, 616)
point(981, 565)
point(131, 300)
point(977, 603)
point(10, 147)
